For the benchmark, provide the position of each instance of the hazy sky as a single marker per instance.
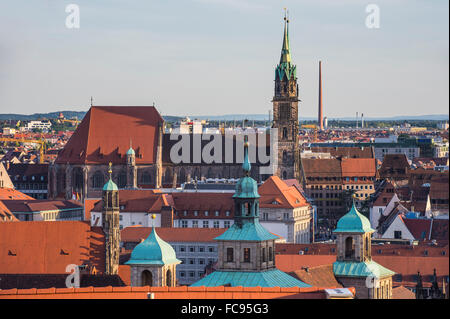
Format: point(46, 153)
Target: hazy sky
point(212, 57)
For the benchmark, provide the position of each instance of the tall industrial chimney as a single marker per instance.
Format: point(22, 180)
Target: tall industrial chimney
point(356, 119)
point(320, 117)
point(362, 120)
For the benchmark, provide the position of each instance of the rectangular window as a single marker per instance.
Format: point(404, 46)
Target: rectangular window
point(201, 261)
point(206, 224)
point(397, 234)
point(201, 249)
point(182, 274)
point(182, 248)
point(246, 255)
point(211, 249)
point(226, 224)
point(184, 224)
point(230, 254)
point(195, 224)
point(191, 261)
point(263, 253)
point(191, 274)
point(191, 249)
point(216, 224)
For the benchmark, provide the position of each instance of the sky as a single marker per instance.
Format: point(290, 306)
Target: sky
point(216, 57)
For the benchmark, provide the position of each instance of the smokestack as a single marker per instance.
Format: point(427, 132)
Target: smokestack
point(356, 119)
point(362, 120)
point(320, 117)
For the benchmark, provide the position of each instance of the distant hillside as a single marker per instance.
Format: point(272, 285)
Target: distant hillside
point(228, 117)
point(39, 116)
point(265, 117)
point(67, 115)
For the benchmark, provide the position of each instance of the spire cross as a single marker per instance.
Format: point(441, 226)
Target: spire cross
point(110, 170)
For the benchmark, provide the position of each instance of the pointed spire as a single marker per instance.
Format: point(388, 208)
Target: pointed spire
point(285, 54)
point(246, 166)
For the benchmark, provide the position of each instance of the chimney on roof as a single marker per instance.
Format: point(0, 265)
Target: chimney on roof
point(305, 269)
point(320, 115)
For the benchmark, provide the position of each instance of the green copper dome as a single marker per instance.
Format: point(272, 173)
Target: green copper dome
point(246, 187)
point(154, 251)
point(110, 186)
point(131, 151)
point(353, 222)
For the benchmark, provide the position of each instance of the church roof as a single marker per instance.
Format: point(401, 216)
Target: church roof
point(247, 232)
point(104, 134)
point(131, 151)
point(153, 251)
point(361, 269)
point(285, 69)
point(353, 222)
point(268, 278)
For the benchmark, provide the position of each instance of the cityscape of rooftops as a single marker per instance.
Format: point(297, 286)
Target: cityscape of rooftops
point(224, 154)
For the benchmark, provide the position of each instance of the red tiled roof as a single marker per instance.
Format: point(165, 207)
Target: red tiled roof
point(89, 205)
point(135, 234)
point(201, 202)
point(6, 214)
point(183, 292)
point(274, 189)
point(318, 276)
point(39, 247)
point(418, 227)
point(402, 293)
point(38, 205)
point(104, 134)
point(11, 193)
point(355, 167)
point(289, 263)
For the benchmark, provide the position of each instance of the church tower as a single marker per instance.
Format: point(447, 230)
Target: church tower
point(131, 169)
point(285, 110)
point(246, 249)
point(110, 223)
point(354, 266)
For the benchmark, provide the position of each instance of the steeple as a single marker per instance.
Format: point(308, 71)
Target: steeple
point(285, 70)
point(285, 54)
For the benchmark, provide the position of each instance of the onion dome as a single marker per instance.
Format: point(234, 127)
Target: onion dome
point(353, 222)
point(153, 251)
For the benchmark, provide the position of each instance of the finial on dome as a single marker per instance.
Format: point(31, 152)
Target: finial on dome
point(246, 166)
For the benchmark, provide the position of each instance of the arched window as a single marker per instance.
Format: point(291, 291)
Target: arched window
point(270, 254)
point(146, 178)
point(230, 254)
point(169, 278)
point(284, 157)
point(146, 278)
point(246, 255)
point(285, 133)
point(122, 180)
point(349, 247)
point(181, 176)
point(98, 180)
point(263, 254)
point(284, 175)
point(167, 176)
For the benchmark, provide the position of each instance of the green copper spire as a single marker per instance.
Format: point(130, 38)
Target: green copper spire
point(285, 70)
point(285, 54)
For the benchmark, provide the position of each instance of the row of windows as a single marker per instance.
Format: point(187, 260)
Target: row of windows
point(205, 213)
point(205, 224)
point(190, 274)
point(197, 261)
point(31, 186)
point(193, 249)
point(33, 178)
point(266, 255)
point(344, 178)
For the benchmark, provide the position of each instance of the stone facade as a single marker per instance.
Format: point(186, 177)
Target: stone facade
point(153, 275)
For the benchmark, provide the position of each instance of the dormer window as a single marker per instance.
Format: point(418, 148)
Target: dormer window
point(274, 202)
